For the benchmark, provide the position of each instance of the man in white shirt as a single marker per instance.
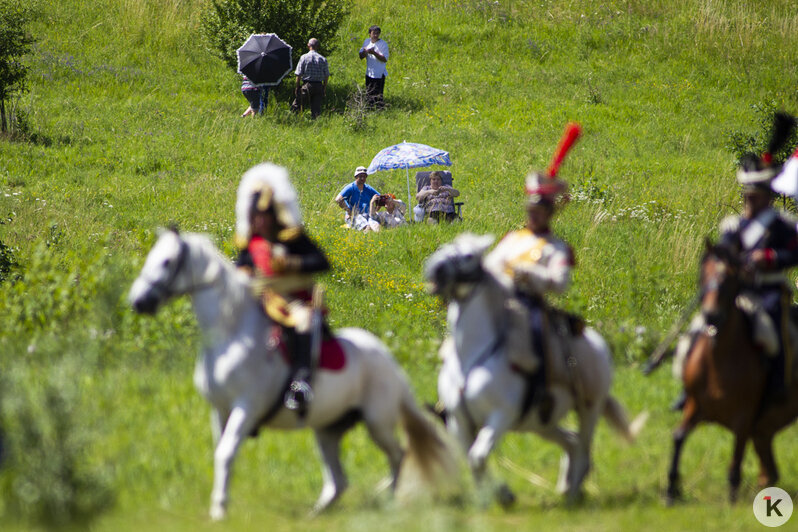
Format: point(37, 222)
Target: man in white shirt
point(375, 51)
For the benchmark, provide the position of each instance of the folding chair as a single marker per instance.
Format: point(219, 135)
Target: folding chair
point(422, 180)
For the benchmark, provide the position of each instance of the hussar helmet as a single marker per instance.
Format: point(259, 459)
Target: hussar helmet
point(263, 187)
point(755, 172)
point(545, 187)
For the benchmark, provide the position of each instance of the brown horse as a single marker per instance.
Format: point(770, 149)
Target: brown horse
point(724, 377)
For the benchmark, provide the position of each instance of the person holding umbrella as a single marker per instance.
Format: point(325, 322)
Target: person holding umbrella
point(312, 73)
point(257, 96)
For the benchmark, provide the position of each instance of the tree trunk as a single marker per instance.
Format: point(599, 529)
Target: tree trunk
point(3, 126)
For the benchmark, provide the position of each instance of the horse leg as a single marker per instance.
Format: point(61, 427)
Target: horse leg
point(581, 460)
point(384, 436)
point(239, 425)
point(218, 421)
point(335, 482)
point(768, 471)
point(735, 476)
point(497, 424)
point(689, 421)
point(568, 441)
point(487, 437)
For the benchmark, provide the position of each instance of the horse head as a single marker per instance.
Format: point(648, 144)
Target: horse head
point(162, 276)
point(719, 282)
point(455, 268)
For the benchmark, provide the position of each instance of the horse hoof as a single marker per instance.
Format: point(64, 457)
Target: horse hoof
point(505, 497)
point(672, 498)
point(218, 513)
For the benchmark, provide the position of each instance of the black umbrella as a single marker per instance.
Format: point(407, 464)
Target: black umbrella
point(265, 59)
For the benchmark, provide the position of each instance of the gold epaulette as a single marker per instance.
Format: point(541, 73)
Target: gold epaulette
point(289, 234)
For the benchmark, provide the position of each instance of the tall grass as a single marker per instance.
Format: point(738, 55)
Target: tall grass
point(137, 126)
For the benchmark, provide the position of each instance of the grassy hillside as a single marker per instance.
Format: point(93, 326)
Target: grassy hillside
point(134, 124)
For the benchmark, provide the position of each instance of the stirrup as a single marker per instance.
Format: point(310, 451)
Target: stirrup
point(299, 395)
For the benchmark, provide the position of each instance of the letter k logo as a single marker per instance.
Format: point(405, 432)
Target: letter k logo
point(772, 506)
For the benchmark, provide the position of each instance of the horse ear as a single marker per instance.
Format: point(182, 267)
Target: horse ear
point(173, 228)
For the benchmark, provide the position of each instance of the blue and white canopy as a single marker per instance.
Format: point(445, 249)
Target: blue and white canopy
point(408, 155)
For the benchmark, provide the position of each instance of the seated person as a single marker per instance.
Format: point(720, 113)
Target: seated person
point(355, 199)
point(392, 216)
point(437, 199)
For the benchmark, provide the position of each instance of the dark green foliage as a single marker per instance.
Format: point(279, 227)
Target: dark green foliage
point(47, 476)
point(15, 42)
point(227, 23)
point(746, 141)
point(7, 262)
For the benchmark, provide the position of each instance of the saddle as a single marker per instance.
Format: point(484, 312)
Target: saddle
point(331, 358)
point(566, 323)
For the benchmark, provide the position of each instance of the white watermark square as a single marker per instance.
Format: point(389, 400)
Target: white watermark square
point(772, 507)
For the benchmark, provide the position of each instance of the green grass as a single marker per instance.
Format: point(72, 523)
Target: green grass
point(136, 125)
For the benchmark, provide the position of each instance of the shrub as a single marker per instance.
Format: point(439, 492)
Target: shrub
point(8, 262)
point(15, 42)
point(46, 476)
point(742, 142)
point(226, 24)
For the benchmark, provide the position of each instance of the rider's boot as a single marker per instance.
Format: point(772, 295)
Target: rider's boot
point(679, 402)
point(300, 394)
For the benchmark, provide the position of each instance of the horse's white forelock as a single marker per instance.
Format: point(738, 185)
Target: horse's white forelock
point(276, 178)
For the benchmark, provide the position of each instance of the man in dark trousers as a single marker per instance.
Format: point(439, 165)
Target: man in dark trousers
point(312, 73)
point(375, 52)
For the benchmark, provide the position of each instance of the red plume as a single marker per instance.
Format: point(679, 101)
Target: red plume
point(572, 132)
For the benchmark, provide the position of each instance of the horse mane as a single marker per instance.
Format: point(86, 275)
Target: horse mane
point(723, 252)
point(235, 284)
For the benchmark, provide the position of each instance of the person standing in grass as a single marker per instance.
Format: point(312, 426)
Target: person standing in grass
point(375, 52)
point(283, 260)
point(257, 96)
point(312, 73)
point(355, 199)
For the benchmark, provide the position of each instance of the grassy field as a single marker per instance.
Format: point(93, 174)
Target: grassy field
point(132, 124)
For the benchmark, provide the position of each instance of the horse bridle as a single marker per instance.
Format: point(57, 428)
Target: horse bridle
point(163, 286)
point(718, 318)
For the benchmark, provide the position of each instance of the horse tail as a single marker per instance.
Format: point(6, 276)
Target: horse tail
point(617, 418)
point(428, 459)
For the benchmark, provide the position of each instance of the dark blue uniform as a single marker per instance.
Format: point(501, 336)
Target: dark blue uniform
point(776, 236)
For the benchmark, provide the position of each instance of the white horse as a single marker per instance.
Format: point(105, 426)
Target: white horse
point(243, 375)
point(483, 394)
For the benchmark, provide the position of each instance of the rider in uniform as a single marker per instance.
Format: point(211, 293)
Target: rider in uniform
point(767, 242)
point(282, 259)
point(532, 262)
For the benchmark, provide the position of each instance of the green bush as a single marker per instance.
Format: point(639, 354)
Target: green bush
point(741, 142)
point(226, 24)
point(47, 475)
point(8, 262)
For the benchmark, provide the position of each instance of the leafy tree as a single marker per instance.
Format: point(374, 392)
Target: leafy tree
point(15, 42)
point(227, 23)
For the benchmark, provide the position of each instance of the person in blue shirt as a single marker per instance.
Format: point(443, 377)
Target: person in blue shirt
point(355, 199)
